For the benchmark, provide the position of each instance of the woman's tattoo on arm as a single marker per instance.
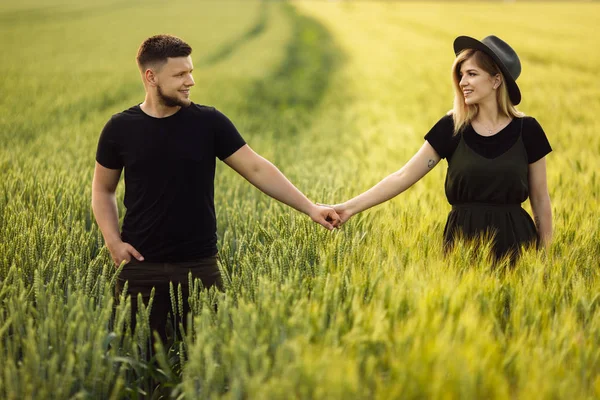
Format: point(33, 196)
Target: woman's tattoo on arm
point(431, 164)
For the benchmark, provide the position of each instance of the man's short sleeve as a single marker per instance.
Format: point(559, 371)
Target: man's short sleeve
point(227, 138)
point(107, 153)
point(535, 140)
point(440, 137)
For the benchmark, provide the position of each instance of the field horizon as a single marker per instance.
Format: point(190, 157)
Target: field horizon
point(338, 95)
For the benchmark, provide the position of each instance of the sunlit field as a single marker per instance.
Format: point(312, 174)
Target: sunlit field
point(337, 95)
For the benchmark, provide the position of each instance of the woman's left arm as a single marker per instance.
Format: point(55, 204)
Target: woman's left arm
point(540, 200)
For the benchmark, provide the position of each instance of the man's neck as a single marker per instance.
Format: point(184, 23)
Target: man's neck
point(155, 109)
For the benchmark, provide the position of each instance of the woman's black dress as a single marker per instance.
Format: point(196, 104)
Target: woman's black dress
point(486, 195)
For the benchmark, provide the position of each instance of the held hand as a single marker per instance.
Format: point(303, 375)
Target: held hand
point(122, 252)
point(326, 216)
point(342, 211)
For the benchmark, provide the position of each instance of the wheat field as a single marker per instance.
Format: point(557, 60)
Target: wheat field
point(337, 94)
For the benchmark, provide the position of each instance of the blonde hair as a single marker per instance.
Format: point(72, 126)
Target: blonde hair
point(463, 114)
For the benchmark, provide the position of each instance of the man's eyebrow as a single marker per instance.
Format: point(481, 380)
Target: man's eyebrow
point(182, 71)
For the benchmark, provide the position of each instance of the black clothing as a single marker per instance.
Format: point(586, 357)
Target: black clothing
point(143, 276)
point(534, 138)
point(169, 178)
point(486, 188)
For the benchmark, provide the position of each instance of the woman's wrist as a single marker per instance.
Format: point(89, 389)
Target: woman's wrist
point(348, 207)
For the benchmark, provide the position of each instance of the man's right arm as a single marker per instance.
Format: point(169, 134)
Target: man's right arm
point(104, 205)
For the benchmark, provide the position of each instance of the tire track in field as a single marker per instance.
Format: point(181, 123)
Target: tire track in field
point(295, 87)
point(283, 100)
point(229, 48)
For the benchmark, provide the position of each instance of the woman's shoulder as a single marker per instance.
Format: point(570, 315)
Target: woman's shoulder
point(531, 126)
point(448, 118)
point(441, 136)
point(445, 124)
point(535, 139)
point(530, 122)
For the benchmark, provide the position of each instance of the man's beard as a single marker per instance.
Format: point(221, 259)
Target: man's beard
point(170, 101)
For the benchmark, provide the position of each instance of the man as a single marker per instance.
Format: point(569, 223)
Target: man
point(167, 146)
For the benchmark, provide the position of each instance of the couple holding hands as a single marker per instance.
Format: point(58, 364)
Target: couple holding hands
point(168, 147)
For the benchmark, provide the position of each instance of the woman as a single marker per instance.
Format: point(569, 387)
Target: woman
point(495, 155)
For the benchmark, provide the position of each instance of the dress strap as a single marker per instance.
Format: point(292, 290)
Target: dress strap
point(521, 131)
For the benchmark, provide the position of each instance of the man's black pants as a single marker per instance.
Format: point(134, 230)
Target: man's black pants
point(142, 276)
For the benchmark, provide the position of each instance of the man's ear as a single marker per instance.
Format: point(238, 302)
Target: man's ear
point(150, 77)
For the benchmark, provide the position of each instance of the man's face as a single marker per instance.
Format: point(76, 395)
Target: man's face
point(174, 80)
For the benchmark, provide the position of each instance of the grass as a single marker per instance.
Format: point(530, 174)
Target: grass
point(338, 95)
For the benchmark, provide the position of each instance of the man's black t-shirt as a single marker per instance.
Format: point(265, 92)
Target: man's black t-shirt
point(169, 178)
point(536, 143)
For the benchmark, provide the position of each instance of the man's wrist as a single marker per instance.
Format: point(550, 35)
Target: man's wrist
point(113, 242)
point(310, 208)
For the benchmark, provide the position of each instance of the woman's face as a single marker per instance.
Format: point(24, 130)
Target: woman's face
point(477, 85)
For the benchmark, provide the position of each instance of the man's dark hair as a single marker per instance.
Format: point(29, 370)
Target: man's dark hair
point(156, 50)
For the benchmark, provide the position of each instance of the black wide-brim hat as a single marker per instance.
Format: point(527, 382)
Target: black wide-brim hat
point(502, 54)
